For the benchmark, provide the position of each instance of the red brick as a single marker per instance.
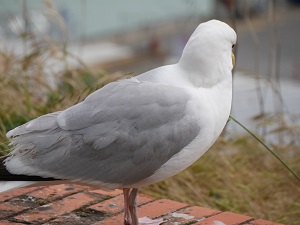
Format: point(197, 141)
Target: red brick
point(227, 218)
point(63, 219)
point(17, 192)
point(69, 219)
point(152, 210)
point(111, 193)
point(6, 222)
point(54, 192)
point(116, 220)
point(159, 207)
point(199, 212)
point(57, 208)
point(264, 222)
point(116, 205)
point(8, 209)
point(189, 214)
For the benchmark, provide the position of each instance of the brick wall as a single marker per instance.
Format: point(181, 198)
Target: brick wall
point(69, 204)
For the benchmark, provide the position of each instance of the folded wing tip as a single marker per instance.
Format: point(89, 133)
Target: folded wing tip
point(9, 134)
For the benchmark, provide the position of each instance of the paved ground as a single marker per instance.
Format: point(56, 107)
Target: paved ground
point(277, 38)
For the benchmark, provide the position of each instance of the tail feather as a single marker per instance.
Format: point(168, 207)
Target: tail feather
point(5, 175)
point(10, 181)
point(10, 185)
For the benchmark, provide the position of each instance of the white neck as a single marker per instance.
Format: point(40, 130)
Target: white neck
point(207, 67)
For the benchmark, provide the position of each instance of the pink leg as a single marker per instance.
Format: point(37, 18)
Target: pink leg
point(127, 218)
point(133, 206)
point(130, 210)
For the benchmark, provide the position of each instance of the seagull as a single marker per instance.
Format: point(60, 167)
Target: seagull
point(133, 132)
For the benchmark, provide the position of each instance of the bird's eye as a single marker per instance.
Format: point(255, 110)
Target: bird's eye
point(233, 46)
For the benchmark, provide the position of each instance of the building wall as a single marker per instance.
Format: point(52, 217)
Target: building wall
point(94, 18)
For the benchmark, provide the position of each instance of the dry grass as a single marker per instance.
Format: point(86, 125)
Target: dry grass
point(239, 176)
point(25, 92)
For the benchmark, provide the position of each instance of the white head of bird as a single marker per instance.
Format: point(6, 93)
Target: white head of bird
point(215, 60)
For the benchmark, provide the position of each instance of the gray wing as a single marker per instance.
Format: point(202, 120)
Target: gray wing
point(120, 134)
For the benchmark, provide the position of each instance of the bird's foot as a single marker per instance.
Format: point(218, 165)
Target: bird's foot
point(147, 221)
point(127, 222)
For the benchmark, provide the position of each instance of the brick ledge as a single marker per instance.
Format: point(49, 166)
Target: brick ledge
point(70, 204)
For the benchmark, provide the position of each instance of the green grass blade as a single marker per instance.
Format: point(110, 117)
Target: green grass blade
point(267, 147)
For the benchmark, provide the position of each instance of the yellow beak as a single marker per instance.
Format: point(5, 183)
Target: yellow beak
point(233, 59)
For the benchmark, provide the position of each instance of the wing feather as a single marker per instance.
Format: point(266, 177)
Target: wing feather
point(119, 135)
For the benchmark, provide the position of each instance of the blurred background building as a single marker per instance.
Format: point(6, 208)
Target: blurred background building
point(156, 26)
point(93, 19)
